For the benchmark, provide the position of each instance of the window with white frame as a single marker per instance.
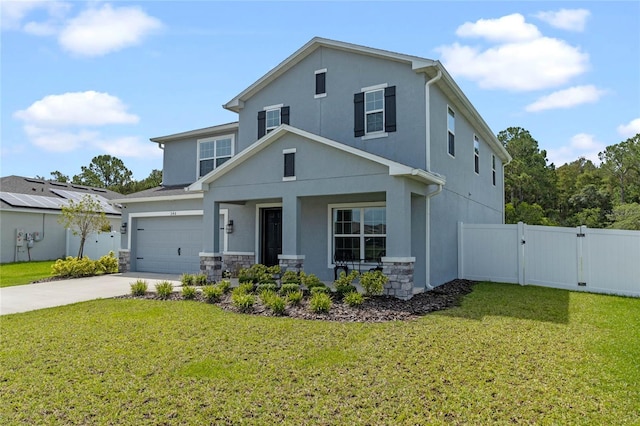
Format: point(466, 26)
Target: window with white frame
point(272, 119)
point(359, 233)
point(476, 154)
point(374, 111)
point(213, 152)
point(451, 131)
point(493, 169)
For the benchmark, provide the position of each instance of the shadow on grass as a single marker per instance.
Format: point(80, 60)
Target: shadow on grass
point(515, 301)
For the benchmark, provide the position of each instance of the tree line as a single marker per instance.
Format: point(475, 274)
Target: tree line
point(578, 193)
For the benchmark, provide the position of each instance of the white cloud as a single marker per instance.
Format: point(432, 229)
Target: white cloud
point(567, 98)
point(580, 145)
point(13, 12)
point(630, 129)
point(565, 19)
point(529, 65)
point(96, 32)
point(507, 28)
point(129, 146)
point(77, 109)
point(55, 140)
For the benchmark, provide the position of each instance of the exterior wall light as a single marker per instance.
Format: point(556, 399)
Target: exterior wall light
point(123, 228)
point(229, 227)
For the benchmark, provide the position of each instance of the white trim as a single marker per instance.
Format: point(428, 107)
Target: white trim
point(320, 95)
point(225, 238)
point(257, 230)
point(288, 178)
point(205, 254)
point(374, 135)
point(239, 253)
point(291, 256)
point(476, 139)
point(398, 259)
point(168, 213)
point(330, 208)
point(270, 107)
point(374, 87)
point(214, 139)
point(38, 211)
point(452, 131)
point(195, 133)
point(320, 71)
point(191, 195)
point(289, 151)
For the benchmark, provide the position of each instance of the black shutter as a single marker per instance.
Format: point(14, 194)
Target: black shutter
point(390, 109)
point(289, 164)
point(284, 115)
point(321, 83)
point(262, 123)
point(358, 114)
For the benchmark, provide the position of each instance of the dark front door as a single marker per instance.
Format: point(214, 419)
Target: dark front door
point(271, 222)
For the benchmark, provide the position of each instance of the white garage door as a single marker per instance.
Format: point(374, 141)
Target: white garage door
point(168, 244)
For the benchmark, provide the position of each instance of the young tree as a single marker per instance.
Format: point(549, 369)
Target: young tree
point(83, 218)
point(621, 162)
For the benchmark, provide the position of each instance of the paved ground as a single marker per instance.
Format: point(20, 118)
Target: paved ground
point(31, 297)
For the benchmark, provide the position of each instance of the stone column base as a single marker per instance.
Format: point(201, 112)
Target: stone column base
point(399, 270)
point(290, 262)
point(211, 266)
point(234, 261)
point(124, 260)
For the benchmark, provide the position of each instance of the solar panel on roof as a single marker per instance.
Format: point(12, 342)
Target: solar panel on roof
point(79, 187)
point(25, 200)
point(64, 185)
point(78, 196)
point(34, 180)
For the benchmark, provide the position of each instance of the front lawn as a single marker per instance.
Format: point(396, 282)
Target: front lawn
point(24, 272)
point(509, 354)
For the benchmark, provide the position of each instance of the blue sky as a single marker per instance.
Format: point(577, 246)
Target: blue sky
point(81, 79)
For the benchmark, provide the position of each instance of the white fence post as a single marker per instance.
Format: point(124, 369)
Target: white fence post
point(460, 251)
point(520, 247)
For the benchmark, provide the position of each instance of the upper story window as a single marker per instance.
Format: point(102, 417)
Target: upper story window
point(451, 132)
point(476, 154)
point(213, 152)
point(321, 83)
point(493, 169)
point(375, 111)
point(271, 117)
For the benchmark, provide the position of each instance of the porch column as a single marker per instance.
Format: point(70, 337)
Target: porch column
point(210, 257)
point(291, 258)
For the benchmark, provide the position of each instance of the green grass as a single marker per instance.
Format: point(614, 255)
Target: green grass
point(24, 272)
point(509, 354)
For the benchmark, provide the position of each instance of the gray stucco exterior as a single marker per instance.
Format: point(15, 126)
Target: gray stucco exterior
point(405, 171)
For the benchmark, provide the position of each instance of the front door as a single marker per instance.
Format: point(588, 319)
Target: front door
point(271, 247)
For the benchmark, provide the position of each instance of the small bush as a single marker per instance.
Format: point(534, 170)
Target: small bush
point(187, 279)
point(225, 285)
point(311, 281)
point(108, 263)
point(320, 302)
point(277, 304)
point(212, 293)
point(354, 299)
point(294, 298)
point(139, 288)
point(290, 277)
point(164, 289)
point(373, 282)
point(73, 267)
point(266, 296)
point(285, 289)
point(188, 292)
point(201, 279)
point(344, 283)
point(243, 301)
point(266, 287)
point(246, 287)
point(320, 289)
point(345, 289)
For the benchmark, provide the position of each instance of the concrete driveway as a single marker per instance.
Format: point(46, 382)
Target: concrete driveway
point(31, 297)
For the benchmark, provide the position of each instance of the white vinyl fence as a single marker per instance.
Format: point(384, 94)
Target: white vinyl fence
point(95, 246)
point(581, 258)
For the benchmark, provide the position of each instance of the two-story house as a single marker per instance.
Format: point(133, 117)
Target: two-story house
point(341, 152)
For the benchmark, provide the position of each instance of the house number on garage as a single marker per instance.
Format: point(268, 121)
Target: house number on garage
point(173, 214)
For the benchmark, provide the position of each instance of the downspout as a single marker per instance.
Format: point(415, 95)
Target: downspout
point(503, 208)
point(427, 148)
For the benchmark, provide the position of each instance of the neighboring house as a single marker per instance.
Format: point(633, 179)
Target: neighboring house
point(341, 152)
point(29, 212)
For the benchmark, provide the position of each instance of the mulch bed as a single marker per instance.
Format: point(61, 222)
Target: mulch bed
point(374, 309)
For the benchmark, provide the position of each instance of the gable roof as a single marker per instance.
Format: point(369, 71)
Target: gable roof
point(429, 67)
point(159, 193)
point(395, 168)
point(206, 131)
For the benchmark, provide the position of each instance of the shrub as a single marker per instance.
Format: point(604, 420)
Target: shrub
point(290, 277)
point(294, 298)
point(354, 299)
point(246, 287)
point(108, 263)
point(187, 279)
point(225, 285)
point(266, 287)
point(320, 289)
point(188, 292)
point(277, 304)
point(343, 284)
point(139, 288)
point(164, 289)
point(212, 293)
point(285, 289)
point(201, 279)
point(320, 302)
point(346, 289)
point(73, 267)
point(243, 301)
point(266, 296)
point(373, 282)
point(256, 274)
point(311, 280)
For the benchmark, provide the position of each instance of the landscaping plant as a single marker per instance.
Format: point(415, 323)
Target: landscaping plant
point(343, 284)
point(188, 292)
point(353, 299)
point(187, 279)
point(294, 298)
point(212, 293)
point(139, 288)
point(320, 302)
point(164, 289)
point(373, 282)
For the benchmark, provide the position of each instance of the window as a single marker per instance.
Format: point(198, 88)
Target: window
point(375, 111)
point(493, 169)
point(271, 117)
point(289, 164)
point(451, 130)
point(321, 83)
point(213, 152)
point(359, 233)
point(476, 154)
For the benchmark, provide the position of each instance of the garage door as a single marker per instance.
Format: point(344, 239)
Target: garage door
point(168, 244)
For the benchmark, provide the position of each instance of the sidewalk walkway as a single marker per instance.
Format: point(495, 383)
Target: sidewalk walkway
point(31, 297)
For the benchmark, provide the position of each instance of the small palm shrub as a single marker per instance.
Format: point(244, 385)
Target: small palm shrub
point(320, 289)
point(373, 282)
point(266, 287)
point(188, 292)
point(294, 298)
point(310, 281)
point(290, 277)
point(212, 293)
point(320, 302)
point(139, 288)
point(225, 285)
point(201, 279)
point(164, 289)
point(285, 289)
point(277, 304)
point(353, 299)
point(243, 301)
point(246, 287)
point(266, 296)
point(187, 279)
point(343, 284)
